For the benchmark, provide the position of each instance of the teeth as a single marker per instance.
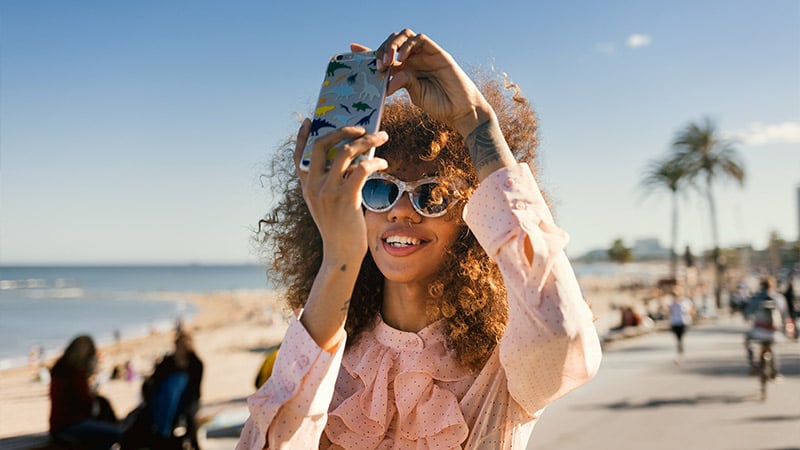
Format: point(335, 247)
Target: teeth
point(402, 241)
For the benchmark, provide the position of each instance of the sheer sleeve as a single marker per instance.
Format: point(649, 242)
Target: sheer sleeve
point(550, 346)
point(290, 409)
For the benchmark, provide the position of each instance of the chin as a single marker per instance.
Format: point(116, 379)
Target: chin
point(404, 275)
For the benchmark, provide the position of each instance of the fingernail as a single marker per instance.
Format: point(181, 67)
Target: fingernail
point(383, 134)
point(386, 59)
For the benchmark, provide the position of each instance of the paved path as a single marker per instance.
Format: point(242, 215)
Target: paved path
point(642, 399)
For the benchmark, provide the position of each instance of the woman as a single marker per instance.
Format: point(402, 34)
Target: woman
point(77, 414)
point(417, 328)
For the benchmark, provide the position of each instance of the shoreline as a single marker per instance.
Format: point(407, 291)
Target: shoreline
point(102, 338)
point(131, 332)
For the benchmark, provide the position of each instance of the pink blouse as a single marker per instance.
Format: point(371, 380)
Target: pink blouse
point(404, 390)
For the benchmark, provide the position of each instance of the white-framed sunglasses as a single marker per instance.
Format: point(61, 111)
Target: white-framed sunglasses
point(430, 197)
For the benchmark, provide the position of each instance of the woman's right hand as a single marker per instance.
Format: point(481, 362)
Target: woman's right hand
point(333, 194)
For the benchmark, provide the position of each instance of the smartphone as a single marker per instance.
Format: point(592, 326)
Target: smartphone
point(353, 92)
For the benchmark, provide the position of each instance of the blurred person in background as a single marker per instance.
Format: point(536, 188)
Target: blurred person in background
point(767, 313)
point(791, 310)
point(78, 416)
point(681, 312)
point(171, 398)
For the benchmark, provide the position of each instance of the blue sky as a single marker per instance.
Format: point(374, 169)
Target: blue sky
point(137, 131)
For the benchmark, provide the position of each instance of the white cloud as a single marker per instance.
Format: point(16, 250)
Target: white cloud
point(763, 134)
point(605, 47)
point(639, 40)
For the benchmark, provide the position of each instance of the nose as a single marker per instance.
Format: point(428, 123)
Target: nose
point(403, 210)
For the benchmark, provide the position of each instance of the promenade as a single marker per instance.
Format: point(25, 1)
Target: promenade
point(642, 399)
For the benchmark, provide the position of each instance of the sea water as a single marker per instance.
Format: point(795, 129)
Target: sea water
point(45, 307)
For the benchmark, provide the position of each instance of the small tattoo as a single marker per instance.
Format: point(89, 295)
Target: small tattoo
point(344, 309)
point(485, 145)
point(343, 268)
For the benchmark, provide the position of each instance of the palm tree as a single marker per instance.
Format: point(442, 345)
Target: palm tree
point(703, 152)
point(671, 175)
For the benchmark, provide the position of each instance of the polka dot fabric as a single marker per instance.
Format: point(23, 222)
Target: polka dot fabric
point(401, 390)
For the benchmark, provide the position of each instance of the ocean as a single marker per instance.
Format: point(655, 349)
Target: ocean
point(45, 307)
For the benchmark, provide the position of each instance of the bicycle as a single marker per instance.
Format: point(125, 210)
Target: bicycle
point(766, 367)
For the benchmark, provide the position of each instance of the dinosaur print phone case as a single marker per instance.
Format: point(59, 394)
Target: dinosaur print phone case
point(353, 93)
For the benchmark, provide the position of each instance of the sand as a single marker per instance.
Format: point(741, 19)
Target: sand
point(231, 331)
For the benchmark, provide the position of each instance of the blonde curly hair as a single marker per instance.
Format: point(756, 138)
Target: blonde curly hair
point(476, 313)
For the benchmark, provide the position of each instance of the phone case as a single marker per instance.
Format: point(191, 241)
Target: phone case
point(353, 93)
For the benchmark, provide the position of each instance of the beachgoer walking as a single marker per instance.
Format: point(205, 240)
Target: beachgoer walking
point(681, 311)
point(791, 311)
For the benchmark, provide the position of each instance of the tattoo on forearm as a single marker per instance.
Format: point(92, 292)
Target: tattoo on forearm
point(485, 144)
point(344, 309)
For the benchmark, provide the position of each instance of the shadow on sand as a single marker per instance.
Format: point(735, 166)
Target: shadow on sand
point(703, 399)
point(789, 366)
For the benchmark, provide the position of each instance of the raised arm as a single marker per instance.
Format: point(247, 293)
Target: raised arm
point(438, 85)
point(335, 204)
point(550, 346)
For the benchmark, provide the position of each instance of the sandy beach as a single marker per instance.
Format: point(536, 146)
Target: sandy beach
point(231, 331)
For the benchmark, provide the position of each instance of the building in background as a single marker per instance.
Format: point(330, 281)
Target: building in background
point(649, 249)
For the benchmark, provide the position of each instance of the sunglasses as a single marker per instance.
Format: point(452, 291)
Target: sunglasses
point(429, 196)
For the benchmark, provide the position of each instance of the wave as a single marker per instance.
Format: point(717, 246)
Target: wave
point(37, 283)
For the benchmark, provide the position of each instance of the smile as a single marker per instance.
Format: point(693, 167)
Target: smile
point(402, 241)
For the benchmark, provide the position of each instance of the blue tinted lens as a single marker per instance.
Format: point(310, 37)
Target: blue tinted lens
point(430, 198)
point(379, 194)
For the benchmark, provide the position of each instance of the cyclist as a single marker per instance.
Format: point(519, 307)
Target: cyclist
point(766, 310)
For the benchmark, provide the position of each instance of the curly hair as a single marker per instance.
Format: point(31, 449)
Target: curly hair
point(476, 313)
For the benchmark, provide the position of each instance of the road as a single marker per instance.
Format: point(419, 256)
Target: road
point(642, 399)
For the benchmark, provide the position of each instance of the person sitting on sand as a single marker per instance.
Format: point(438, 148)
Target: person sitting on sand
point(77, 414)
point(171, 400)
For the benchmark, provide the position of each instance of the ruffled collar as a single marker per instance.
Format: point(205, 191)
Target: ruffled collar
point(407, 340)
point(399, 374)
